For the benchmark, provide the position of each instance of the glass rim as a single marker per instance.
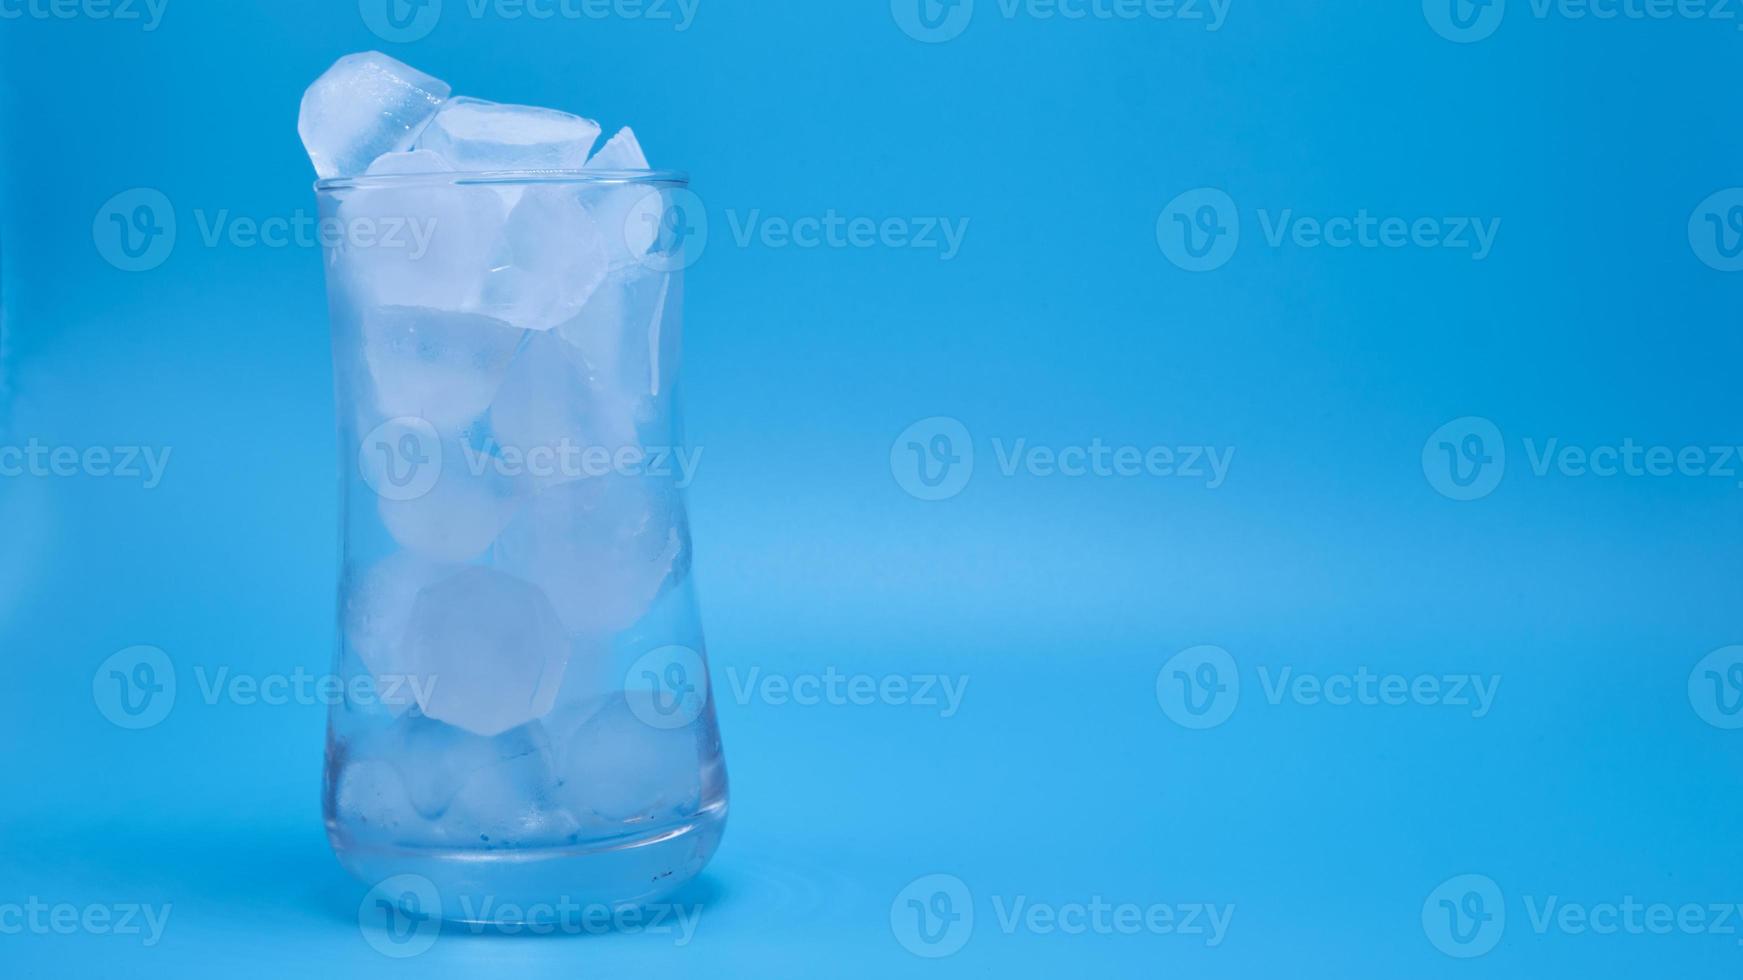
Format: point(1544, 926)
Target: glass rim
point(664, 178)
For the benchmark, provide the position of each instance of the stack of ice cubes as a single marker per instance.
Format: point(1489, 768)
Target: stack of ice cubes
point(499, 322)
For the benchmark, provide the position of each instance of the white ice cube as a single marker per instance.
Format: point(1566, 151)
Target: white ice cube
point(617, 335)
point(619, 767)
point(601, 548)
point(510, 803)
point(630, 213)
point(419, 244)
point(378, 608)
point(492, 648)
point(630, 216)
point(475, 135)
point(409, 162)
point(562, 425)
point(436, 761)
point(621, 152)
point(371, 796)
point(550, 258)
point(436, 365)
point(365, 105)
point(458, 518)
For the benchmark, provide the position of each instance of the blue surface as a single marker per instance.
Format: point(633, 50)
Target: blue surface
point(1072, 149)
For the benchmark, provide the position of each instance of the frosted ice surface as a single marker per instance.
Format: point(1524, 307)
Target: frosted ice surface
point(554, 415)
point(378, 607)
point(616, 336)
point(460, 516)
point(436, 365)
point(492, 649)
point(371, 794)
point(364, 106)
point(475, 135)
point(510, 802)
point(409, 162)
point(617, 766)
point(437, 761)
point(547, 263)
point(621, 152)
point(420, 244)
point(601, 548)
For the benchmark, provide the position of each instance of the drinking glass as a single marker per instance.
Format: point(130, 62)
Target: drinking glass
point(525, 716)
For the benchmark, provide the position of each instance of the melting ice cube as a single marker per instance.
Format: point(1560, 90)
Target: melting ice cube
point(370, 794)
point(617, 335)
point(365, 105)
point(492, 649)
point(621, 768)
point(436, 365)
point(601, 548)
point(550, 258)
point(630, 216)
point(562, 423)
point(436, 761)
point(378, 607)
point(510, 803)
point(420, 244)
point(460, 515)
point(621, 152)
point(409, 162)
point(475, 135)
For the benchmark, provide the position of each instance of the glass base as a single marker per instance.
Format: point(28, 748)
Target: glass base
point(498, 888)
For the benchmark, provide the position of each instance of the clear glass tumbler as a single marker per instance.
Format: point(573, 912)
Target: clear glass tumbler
point(526, 716)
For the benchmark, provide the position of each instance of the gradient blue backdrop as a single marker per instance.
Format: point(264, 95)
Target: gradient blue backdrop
point(1061, 321)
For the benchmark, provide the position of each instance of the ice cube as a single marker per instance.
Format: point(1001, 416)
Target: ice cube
point(440, 366)
point(601, 548)
point(475, 135)
point(492, 649)
point(420, 244)
point(593, 672)
point(510, 803)
point(563, 425)
point(371, 795)
point(378, 607)
point(365, 105)
point(630, 216)
point(550, 258)
point(617, 766)
point(436, 761)
point(409, 162)
point(616, 335)
point(467, 505)
point(621, 152)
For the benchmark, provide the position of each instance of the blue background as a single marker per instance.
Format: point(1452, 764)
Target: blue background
point(1061, 321)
